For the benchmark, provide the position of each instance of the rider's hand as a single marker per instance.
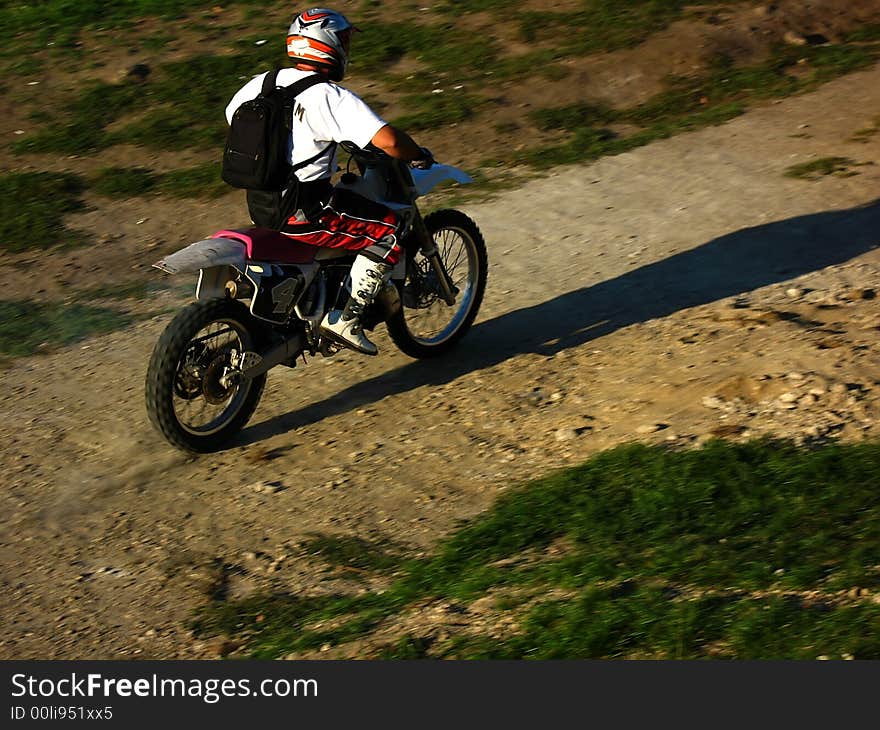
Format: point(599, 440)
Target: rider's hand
point(425, 161)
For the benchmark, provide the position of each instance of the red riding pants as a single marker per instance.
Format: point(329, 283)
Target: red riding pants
point(352, 222)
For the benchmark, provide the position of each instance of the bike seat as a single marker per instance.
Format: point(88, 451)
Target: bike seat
point(266, 244)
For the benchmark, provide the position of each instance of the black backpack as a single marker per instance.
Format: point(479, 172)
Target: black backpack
point(255, 156)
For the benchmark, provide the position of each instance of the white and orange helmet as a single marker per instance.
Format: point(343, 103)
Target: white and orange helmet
point(321, 37)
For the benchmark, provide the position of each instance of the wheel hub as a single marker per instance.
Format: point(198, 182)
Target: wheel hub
point(214, 386)
point(188, 383)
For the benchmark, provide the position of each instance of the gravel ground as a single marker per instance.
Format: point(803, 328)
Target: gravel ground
point(683, 290)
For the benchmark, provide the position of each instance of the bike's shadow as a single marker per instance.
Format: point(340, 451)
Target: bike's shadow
point(733, 264)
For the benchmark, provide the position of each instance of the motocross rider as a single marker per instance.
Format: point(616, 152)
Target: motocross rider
point(318, 41)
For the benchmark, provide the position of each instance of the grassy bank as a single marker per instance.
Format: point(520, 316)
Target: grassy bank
point(761, 550)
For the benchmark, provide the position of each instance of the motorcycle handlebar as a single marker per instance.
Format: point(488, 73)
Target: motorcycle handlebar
point(369, 155)
point(396, 172)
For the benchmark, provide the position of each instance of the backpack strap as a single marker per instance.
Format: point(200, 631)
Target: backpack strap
point(290, 93)
point(291, 195)
point(270, 83)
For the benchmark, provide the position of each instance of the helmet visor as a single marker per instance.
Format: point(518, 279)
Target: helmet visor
point(344, 37)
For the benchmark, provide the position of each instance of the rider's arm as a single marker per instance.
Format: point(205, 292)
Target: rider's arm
point(399, 144)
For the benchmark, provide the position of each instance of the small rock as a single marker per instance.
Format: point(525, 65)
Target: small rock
point(806, 400)
point(788, 397)
point(794, 292)
point(535, 397)
point(482, 605)
point(266, 487)
point(566, 434)
point(138, 73)
point(728, 430)
point(795, 376)
point(712, 401)
point(794, 39)
point(651, 428)
point(222, 647)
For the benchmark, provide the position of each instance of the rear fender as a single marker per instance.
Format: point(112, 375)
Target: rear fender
point(216, 260)
point(208, 254)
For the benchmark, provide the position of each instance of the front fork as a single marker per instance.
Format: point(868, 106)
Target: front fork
point(429, 250)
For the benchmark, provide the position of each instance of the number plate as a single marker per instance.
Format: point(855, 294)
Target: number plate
point(277, 290)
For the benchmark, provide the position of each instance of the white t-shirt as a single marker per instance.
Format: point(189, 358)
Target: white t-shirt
point(329, 113)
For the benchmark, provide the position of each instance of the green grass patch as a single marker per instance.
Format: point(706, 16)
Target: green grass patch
point(649, 624)
point(27, 327)
point(79, 129)
point(180, 108)
point(442, 48)
point(865, 134)
point(816, 169)
point(354, 552)
point(867, 33)
point(436, 110)
point(730, 550)
point(201, 181)
point(123, 182)
point(33, 25)
point(606, 24)
point(32, 206)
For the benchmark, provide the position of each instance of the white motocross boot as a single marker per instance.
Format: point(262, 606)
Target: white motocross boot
point(343, 326)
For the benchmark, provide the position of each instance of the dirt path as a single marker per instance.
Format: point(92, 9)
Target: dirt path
point(681, 290)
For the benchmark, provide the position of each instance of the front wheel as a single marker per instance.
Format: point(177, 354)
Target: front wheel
point(195, 398)
point(426, 326)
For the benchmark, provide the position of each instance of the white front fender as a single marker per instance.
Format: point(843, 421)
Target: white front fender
point(426, 180)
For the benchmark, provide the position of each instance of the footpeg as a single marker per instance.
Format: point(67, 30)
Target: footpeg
point(249, 360)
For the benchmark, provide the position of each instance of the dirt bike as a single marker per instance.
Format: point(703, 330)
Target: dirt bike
point(260, 298)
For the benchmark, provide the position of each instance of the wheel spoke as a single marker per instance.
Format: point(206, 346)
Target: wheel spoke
point(433, 320)
point(208, 404)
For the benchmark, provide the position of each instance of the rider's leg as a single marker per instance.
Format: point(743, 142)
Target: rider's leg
point(368, 276)
point(356, 224)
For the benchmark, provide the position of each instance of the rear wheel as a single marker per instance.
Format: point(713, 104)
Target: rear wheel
point(194, 396)
point(426, 326)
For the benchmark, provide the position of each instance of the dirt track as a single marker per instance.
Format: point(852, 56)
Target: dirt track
point(683, 289)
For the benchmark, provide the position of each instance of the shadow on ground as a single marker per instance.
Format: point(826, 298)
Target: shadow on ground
point(733, 264)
